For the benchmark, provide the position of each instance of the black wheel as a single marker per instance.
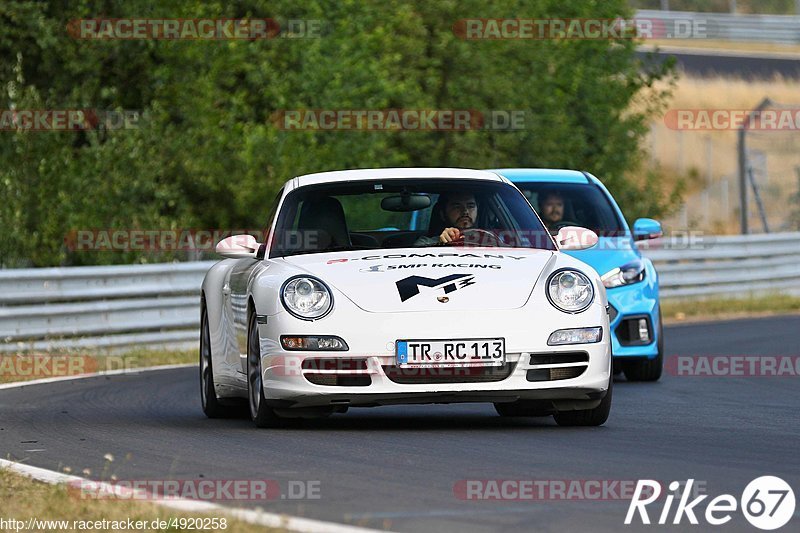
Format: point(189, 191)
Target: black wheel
point(648, 369)
point(522, 408)
point(588, 417)
point(262, 415)
point(212, 406)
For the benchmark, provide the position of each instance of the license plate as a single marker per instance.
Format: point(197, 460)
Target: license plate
point(439, 354)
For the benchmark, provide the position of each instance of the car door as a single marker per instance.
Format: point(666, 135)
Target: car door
point(239, 287)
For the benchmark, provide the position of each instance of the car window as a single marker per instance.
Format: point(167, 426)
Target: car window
point(401, 213)
point(584, 205)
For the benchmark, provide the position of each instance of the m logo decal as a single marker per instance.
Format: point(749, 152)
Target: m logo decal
point(409, 287)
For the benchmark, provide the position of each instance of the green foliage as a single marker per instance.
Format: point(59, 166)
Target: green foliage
point(205, 153)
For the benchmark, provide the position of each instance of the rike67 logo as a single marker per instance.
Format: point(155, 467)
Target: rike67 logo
point(767, 503)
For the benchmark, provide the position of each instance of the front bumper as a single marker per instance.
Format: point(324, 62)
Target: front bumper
point(633, 302)
point(286, 384)
point(371, 337)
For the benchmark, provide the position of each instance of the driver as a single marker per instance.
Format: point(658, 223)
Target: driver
point(551, 209)
point(459, 212)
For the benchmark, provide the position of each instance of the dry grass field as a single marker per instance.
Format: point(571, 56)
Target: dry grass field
point(708, 160)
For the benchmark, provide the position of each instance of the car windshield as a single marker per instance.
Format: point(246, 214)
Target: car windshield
point(573, 204)
point(397, 213)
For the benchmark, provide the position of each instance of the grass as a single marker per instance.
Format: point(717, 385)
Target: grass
point(27, 366)
point(711, 44)
point(24, 498)
point(721, 308)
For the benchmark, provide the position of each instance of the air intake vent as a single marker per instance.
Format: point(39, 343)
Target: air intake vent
point(577, 363)
point(479, 374)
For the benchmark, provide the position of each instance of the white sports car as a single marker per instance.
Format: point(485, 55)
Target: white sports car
point(405, 286)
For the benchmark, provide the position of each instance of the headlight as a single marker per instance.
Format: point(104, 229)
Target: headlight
point(570, 291)
point(314, 342)
point(633, 272)
point(306, 297)
point(575, 336)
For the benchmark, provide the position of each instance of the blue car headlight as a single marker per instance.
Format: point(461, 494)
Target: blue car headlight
point(633, 272)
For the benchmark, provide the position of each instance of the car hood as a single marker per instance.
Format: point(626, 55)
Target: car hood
point(426, 279)
point(607, 254)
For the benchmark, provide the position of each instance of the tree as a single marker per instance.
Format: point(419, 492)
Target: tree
point(206, 153)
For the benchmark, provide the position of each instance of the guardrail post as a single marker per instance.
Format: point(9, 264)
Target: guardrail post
point(742, 148)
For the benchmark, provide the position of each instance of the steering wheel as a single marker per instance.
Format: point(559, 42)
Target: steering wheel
point(477, 237)
point(563, 224)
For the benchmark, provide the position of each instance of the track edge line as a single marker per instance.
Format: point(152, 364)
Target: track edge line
point(257, 517)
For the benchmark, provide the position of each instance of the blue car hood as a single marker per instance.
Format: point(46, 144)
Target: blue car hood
point(608, 253)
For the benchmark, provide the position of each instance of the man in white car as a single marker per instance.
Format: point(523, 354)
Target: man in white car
point(457, 211)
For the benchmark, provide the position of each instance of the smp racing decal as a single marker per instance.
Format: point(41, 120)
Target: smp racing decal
point(409, 287)
point(425, 256)
point(387, 268)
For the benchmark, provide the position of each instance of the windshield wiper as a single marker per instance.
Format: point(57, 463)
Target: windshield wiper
point(289, 253)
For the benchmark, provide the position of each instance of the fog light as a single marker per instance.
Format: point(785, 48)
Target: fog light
point(575, 336)
point(323, 343)
point(644, 331)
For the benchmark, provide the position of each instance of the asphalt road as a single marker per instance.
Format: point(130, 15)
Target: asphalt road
point(396, 467)
point(730, 63)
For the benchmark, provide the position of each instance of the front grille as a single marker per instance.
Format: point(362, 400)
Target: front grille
point(334, 363)
point(339, 380)
point(557, 373)
point(480, 374)
point(612, 313)
point(560, 358)
point(628, 331)
point(336, 371)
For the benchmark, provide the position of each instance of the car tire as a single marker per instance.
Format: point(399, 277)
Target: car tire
point(262, 414)
point(588, 417)
point(648, 369)
point(521, 408)
point(212, 405)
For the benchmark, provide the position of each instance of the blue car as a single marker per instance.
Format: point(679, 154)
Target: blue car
point(574, 198)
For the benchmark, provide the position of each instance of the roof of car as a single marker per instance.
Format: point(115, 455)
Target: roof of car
point(395, 173)
point(549, 175)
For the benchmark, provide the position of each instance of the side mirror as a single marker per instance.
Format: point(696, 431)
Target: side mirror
point(238, 246)
point(646, 228)
point(576, 238)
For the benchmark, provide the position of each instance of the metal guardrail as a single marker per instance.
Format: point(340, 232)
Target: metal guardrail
point(113, 307)
point(780, 29)
point(103, 307)
point(729, 266)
